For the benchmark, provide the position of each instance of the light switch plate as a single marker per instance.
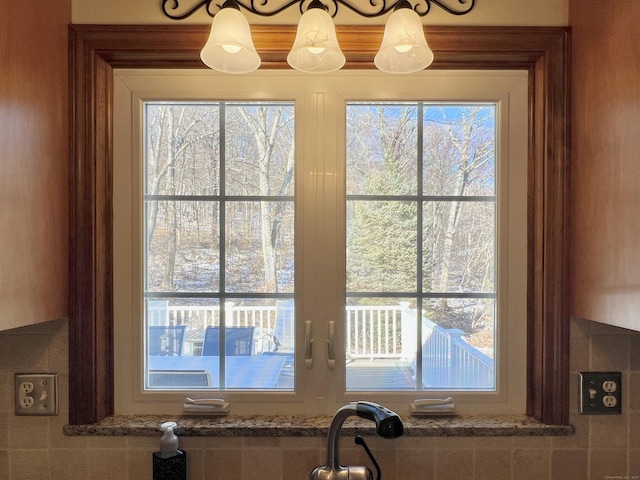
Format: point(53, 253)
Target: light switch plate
point(600, 393)
point(36, 393)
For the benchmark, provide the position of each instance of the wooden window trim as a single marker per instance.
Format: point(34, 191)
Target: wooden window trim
point(95, 50)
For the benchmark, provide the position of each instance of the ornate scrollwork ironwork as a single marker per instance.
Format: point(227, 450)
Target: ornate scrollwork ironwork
point(172, 8)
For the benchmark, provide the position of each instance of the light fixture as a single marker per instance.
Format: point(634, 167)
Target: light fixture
point(404, 47)
point(316, 48)
point(230, 49)
point(230, 46)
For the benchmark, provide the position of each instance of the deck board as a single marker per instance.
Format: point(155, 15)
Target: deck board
point(379, 375)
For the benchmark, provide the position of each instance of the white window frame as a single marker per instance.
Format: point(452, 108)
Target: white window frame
point(321, 389)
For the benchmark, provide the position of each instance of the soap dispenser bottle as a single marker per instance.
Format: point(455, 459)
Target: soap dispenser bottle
point(169, 463)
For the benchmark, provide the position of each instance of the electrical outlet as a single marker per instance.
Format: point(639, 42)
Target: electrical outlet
point(36, 393)
point(601, 393)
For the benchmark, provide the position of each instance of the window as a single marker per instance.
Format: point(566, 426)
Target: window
point(421, 231)
point(412, 205)
point(96, 49)
point(219, 243)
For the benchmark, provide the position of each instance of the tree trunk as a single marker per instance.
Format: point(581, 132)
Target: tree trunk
point(172, 234)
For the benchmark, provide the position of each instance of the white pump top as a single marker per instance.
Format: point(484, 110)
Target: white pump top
point(169, 441)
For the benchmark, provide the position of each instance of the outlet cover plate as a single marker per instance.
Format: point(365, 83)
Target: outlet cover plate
point(600, 393)
point(36, 393)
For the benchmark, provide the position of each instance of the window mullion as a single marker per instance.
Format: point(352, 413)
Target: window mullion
point(222, 235)
point(419, 236)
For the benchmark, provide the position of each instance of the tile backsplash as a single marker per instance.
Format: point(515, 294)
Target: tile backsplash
point(603, 448)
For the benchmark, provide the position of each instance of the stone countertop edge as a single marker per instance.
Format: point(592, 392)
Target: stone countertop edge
point(316, 426)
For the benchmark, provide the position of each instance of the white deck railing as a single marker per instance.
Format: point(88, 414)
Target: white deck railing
point(374, 331)
point(200, 317)
point(387, 331)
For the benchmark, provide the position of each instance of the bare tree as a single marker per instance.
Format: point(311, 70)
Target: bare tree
point(265, 130)
point(470, 152)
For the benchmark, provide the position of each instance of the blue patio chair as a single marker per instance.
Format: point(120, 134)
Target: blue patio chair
point(239, 341)
point(165, 340)
point(283, 337)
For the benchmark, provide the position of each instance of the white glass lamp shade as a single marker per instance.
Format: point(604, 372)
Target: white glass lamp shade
point(316, 49)
point(230, 47)
point(404, 47)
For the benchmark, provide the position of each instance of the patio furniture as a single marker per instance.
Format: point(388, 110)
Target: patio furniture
point(165, 340)
point(180, 379)
point(238, 341)
point(241, 372)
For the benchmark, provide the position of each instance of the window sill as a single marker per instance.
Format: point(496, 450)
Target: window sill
point(311, 426)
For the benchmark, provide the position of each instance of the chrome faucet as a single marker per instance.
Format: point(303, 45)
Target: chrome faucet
point(388, 425)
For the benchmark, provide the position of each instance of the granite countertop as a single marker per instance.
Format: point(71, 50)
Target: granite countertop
point(310, 426)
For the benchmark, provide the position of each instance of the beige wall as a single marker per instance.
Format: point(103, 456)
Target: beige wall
point(604, 446)
point(486, 12)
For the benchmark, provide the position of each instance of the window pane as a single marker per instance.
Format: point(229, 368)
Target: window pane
point(458, 344)
point(259, 247)
point(459, 143)
point(182, 149)
point(459, 246)
point(259, 142)
point(381, 344)
point(268, 363)
point(174, 336)
point(381, 149)
point(381, 246)
point(183, 246)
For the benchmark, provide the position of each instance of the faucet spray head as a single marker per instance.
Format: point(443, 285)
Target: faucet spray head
point(388, 423)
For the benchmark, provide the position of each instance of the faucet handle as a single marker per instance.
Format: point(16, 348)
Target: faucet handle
point(360, 441)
